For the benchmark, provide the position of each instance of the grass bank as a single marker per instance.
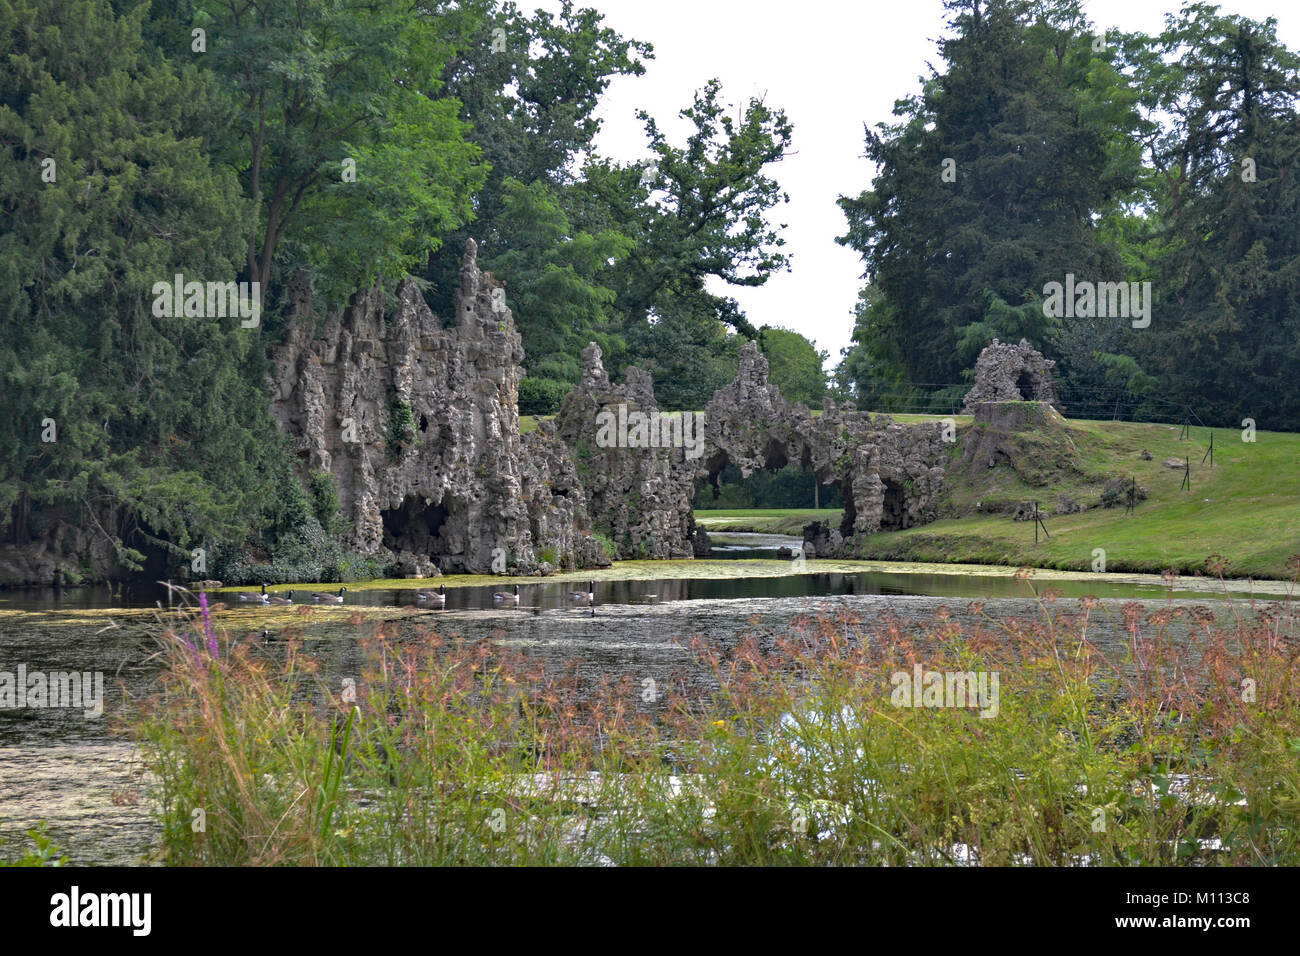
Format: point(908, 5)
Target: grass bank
point(1241, 516)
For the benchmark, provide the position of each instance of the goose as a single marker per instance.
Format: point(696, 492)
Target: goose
point(253, 596)
point(329, 598)
point(276, 599)
point(509, 600)
point(433, 597)
point(585, 598)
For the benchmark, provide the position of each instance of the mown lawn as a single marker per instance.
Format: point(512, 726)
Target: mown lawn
point(765, 520)
point(1246, 508)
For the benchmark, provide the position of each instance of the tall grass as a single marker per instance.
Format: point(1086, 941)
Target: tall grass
point(787, 750)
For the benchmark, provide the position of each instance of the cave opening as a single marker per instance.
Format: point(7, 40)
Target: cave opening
point(844, 491)
point(424, 424)
point(1027, 386)
point(893, 514)
point(413, 526)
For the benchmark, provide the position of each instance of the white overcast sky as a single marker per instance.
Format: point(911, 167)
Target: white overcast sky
point(832, 67)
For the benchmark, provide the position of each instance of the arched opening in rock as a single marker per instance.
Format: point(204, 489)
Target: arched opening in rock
point(414, 526)
point(784, 484)
point(424, 424)
point(893, 516)
point(1027, 386)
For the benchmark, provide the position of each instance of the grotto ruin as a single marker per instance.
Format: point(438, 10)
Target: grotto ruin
point(417, 424)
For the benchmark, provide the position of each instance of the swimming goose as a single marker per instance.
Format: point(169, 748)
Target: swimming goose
point(253, 596)
point(329, 598)
point(510, 600)
point(585, 598)
point(276, 599)
point(433, 597)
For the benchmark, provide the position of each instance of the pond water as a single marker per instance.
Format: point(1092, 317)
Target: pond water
point(84, 778)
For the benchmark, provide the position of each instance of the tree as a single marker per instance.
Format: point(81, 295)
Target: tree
point(161, 438)
point(988, 187)
point(690, 355)
point(1225, 338)
point(557, 288)
point(699, 210)
point(795, 365)
point(529, 88)
point(355, 163)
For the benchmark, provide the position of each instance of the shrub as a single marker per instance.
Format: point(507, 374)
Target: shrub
point(541, 396)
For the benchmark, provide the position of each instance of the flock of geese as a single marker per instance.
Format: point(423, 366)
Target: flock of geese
point(320, 597)
point(436, 598)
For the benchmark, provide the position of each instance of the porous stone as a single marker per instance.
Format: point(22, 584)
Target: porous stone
point(1116, 491)
point(419, 427)
point(1065, 505)
point(1012, 373)
point(890, 475)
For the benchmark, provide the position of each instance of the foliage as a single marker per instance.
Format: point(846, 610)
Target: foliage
point(541, 396)
point(163, 437)
point(800, 752)
point(319, 84)
point(795, 365)
point(1031, 126)
point(43, 852)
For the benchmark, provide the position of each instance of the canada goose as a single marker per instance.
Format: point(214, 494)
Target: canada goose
point(433, 597)
point(329, 598)
point(510, 600)
point(251, 596)
point(276, 599)
point(585, 598)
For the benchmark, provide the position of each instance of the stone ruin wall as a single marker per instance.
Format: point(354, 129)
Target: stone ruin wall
point(1012, 373)
point(467, 483)
point(890, 475)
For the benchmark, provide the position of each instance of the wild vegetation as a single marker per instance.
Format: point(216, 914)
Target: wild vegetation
point(795, 751)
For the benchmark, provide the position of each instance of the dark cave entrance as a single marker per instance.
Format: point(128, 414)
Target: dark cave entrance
point(1027, 386)
point(414, 526)
point(845, 490)
point(893, 515)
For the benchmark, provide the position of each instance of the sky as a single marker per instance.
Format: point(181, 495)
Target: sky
point(833, 68)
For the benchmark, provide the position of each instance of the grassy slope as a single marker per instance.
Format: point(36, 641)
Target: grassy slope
point(1247, 508)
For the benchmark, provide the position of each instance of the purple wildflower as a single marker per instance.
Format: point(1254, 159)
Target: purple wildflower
point(207, 625)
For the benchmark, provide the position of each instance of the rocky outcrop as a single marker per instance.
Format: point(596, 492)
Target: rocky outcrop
point(997, 435)
point(1012, 373)
point(890, 475)
point(419, 427)
point(639, 488)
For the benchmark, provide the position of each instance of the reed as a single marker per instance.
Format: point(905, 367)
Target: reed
point(795, 750)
